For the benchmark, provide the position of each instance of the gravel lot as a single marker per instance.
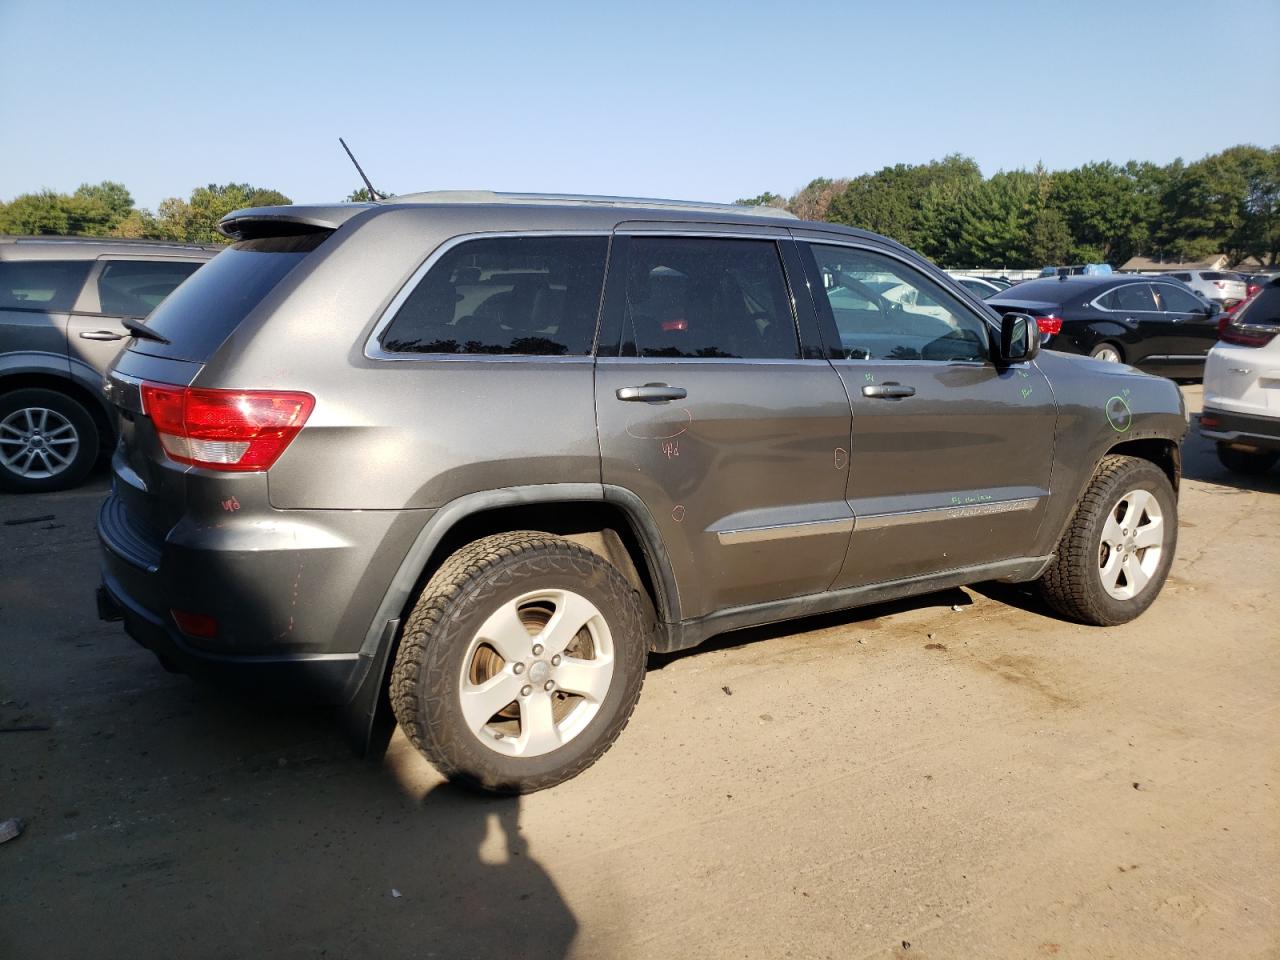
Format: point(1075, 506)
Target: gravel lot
point(905, 780)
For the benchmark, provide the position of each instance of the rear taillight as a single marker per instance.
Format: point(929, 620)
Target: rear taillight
point(235, 430)
point(1246, 334)
point(1049, 325)
point(199, 625)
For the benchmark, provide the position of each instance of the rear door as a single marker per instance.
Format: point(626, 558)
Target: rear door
point(36, 297)
point(709, 411)
point(1149, 332)
point(951, 454)
point(119, 288)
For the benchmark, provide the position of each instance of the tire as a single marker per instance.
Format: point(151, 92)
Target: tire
point(38, 428)
point(1091, 582)
point(449, 651)
point(1108, 351)
point(1253, 462)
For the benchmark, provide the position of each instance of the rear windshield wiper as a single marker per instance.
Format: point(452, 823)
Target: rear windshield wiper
point(142, 331)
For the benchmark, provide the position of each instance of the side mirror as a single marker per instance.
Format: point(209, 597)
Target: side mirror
point(1019, 338)
point(1215, 308)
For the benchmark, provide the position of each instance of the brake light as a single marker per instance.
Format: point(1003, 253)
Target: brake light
point(1049, 325)
point(1207, 420)
point(1246, 334)
point(233, 430)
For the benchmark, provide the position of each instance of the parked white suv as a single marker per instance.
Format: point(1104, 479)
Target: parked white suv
point(1242, 385)
point(1228, 289)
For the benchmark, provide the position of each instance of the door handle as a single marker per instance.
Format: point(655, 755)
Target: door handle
point(888, 391)
point(651, 393)
point(101, 335)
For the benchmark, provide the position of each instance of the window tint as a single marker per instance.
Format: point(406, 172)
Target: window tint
point(707, 298)
point(1186, 277)
point(136, 287)
point(202, 313)
point(885, 310)
point(505, 295)
point(1134, 296)
point(1176, 300)
point(41, 284)
point(1218, 275)
point(978, 289)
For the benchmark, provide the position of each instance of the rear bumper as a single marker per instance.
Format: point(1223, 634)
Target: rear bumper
point(291, 621)
point(1242, 430)
point(318, 678)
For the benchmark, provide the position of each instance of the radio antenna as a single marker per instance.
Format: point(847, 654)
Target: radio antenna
point(374, 194)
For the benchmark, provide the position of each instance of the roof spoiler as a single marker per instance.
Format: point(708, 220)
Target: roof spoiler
point(287, 221)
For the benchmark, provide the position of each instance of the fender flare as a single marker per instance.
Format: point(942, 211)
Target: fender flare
point(368, 709)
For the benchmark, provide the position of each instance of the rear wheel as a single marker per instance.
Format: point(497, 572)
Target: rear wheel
point(1117, 550)
point(1108, 352)
point(48, 441)
point(520, 663)
point(1247, 461)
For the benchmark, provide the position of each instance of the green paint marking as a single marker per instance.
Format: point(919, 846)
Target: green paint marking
point(1026, 392)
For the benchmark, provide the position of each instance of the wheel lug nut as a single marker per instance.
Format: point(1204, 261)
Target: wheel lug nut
point(555, 661)
point(518, 668)
point(526, 690)
point(537, 649)
point(549, 686)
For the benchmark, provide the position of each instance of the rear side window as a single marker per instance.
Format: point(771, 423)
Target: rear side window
point(201, 314)
point(1134, 296)
point(1218, 275)
point(1185, 277)
point(133, 288)
point(706, 299)
point(535, 296)
point(51, 285)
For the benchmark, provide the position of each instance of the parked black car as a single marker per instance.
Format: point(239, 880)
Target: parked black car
point(1144, 321)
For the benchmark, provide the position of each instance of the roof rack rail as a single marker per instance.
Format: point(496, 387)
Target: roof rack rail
point(136, 241)
point(491, 196)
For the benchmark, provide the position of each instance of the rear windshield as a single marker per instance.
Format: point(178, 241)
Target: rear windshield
point(1263, 308)
point(207, 308)
point(1049, 290)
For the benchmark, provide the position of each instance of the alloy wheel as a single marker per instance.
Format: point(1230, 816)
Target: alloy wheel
point(1132, 544)
point(37, 443)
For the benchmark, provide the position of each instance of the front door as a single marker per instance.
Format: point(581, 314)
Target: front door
point(707, 412)
point(1190, 329)
point(951, 454)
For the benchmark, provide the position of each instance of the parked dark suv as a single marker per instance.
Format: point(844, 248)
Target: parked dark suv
point(474, 456)
point(65, 303)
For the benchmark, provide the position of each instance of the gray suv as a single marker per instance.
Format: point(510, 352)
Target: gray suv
point(65, 305)
point(463, 460)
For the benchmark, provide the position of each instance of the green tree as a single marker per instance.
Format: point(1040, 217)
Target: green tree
point(813, 201)
point(765, 199)
point(32, 214)
point(195, 220)
point(891, 200)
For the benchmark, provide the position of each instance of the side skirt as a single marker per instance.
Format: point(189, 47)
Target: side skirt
point(689, 633)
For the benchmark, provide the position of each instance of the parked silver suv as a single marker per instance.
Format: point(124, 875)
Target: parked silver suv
point(1225, 289)
point(465, 459)
point(65, 304)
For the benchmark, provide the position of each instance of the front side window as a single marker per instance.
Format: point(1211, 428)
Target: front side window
point(533, 296)
point(41, 284)
point(886, 310)
point(707, 298)
point(1176, 300)
point(133, 288)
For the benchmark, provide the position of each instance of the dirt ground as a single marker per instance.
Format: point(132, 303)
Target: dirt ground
point(907, 780)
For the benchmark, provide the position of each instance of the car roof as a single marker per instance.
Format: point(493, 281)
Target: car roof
point(90, 248)
point(1058, 289)
point(590, 212)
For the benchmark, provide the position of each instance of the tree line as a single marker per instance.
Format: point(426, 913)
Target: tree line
point(1227, 203)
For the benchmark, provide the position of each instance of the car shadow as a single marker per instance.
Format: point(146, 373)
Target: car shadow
point(1200, 462)
point(953, 597)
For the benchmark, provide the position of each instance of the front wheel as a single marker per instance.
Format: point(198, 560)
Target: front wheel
point(1253, 462)
point(1117, 550)
point(520, 663)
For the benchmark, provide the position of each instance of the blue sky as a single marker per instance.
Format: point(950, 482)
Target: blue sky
point(690, 100)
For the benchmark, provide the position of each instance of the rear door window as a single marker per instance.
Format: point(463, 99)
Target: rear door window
point(201, 314)
point(44, 285)
point(707, 298)
point(532, 296)
point(133, 288)
point(1131, 297)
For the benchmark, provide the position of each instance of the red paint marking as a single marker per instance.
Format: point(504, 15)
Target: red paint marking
point(231, 504)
